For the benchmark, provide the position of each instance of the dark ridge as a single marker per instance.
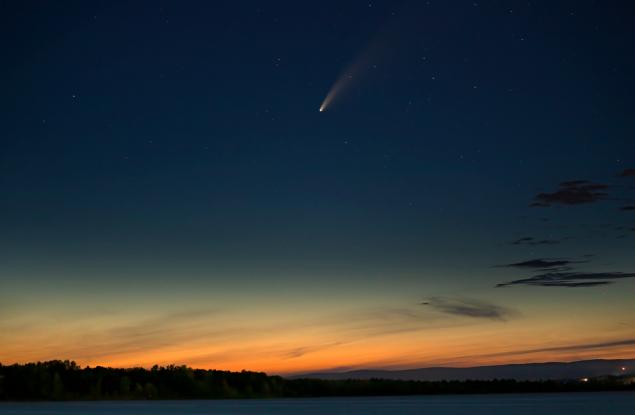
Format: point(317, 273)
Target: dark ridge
point(524, 371)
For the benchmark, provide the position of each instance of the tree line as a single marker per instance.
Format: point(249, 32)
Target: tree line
point(65, 380)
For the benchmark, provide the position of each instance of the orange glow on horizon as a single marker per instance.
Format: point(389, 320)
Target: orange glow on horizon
point(308, 350)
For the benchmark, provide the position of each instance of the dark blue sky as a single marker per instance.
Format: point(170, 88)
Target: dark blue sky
point(181, 142)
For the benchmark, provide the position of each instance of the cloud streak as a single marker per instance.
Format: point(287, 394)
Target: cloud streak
point(540, 263)
point(569, 348)
point(469, 308)
point(531, 241)
point(570, 279)
point(574, 192)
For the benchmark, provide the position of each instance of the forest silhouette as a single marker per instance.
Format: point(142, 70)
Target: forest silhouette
point(65, 380)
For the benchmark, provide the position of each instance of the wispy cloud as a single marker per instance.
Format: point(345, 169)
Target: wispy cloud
point(569, 348)
point(469, 308)
point(304, 350)
point(540, 263)
point(574, 192)
point(531, 241)
point(570, 279)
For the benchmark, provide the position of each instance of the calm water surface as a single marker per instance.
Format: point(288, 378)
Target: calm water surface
point(539, 404)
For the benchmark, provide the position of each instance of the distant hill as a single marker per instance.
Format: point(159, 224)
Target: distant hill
point(526, 371)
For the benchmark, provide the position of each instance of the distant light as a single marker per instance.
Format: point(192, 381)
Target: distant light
point(584, 379)
point(623, 369)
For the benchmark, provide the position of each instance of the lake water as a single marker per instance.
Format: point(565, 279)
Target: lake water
point(534, 404)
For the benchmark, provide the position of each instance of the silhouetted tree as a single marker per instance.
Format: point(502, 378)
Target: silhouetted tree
point(56, 380)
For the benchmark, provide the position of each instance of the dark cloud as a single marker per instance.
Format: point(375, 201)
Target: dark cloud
point(304, 350)
point(574, 192)
point(570, 279)
point(587, 346)
point(469, 308)
point(628, 208)
point(627, 173)
point(574, 183)
point(540, 263)
point(531, 241)
point(570, 348)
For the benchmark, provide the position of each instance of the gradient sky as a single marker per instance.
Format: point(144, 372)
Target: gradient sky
point(171, 193)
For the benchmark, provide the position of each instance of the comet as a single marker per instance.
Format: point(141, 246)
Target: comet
point(341, 84)
point(363, 63)
point(377, 50)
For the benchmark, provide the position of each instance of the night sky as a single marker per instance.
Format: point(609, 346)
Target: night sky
point(171, 192)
